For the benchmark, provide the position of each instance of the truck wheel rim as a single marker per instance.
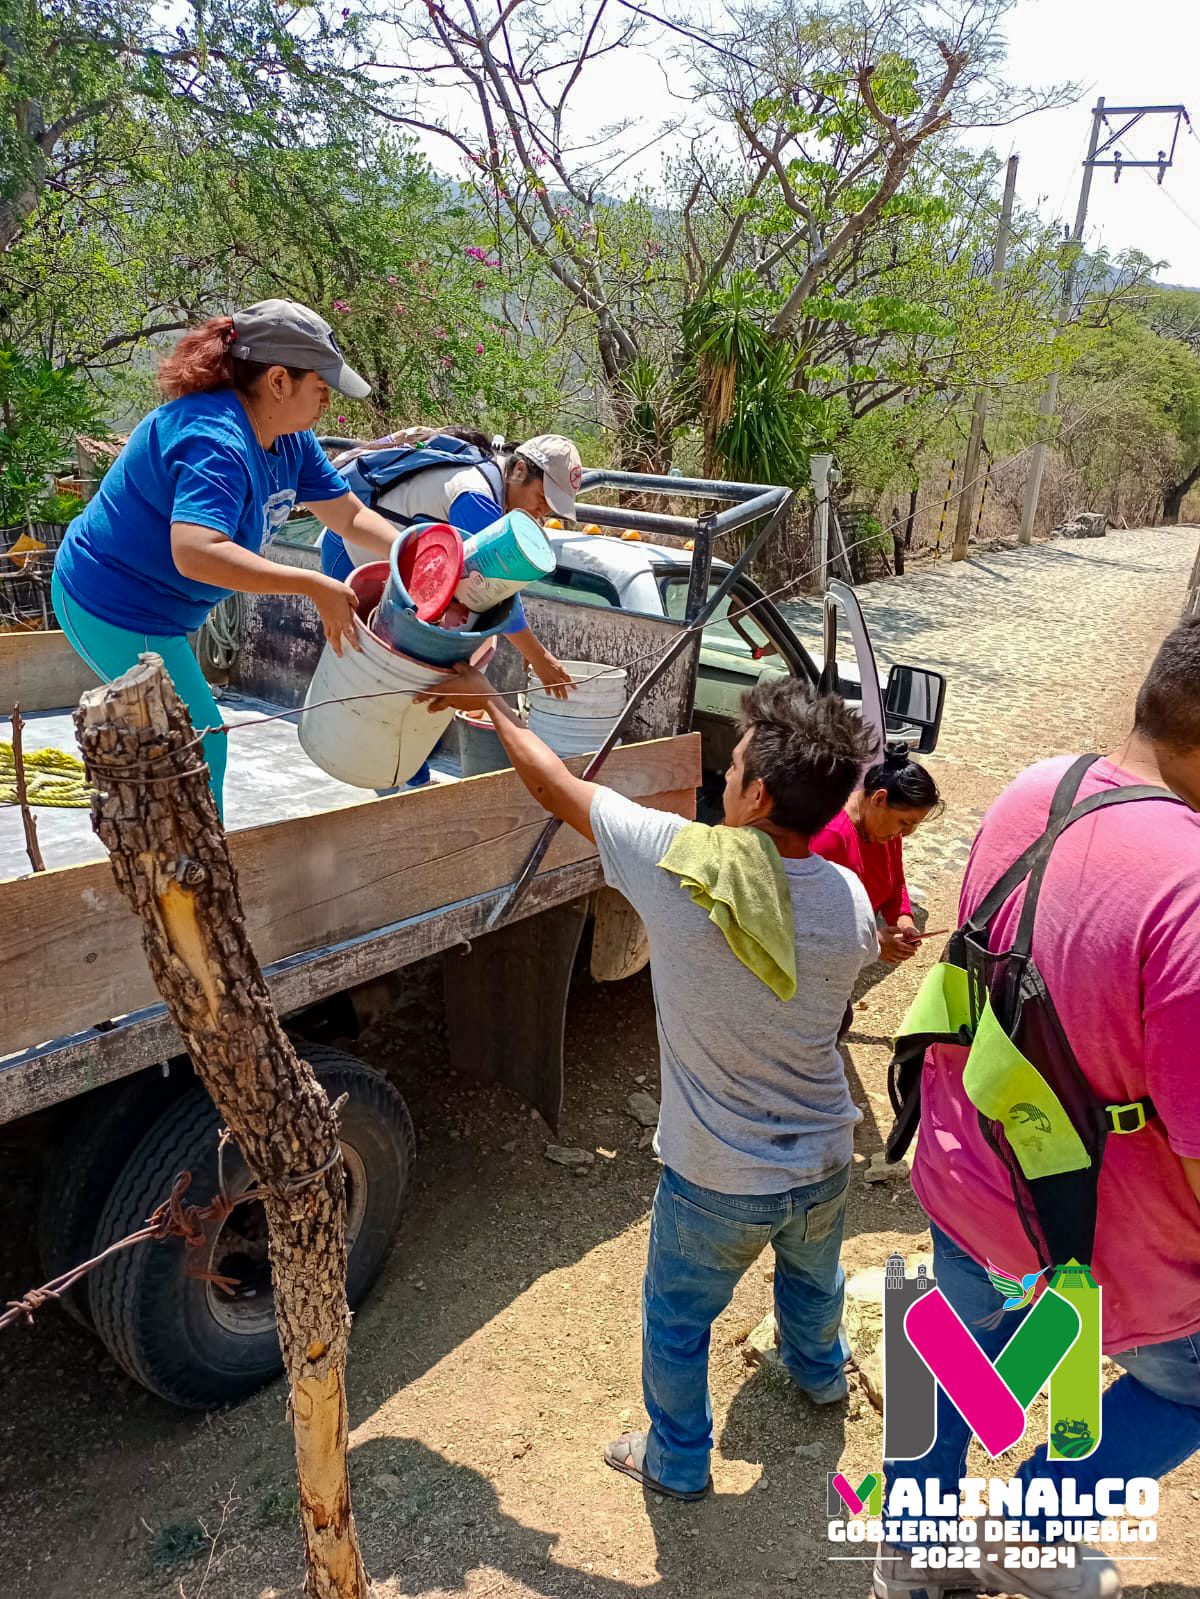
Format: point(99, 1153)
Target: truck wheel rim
point(239, 1250)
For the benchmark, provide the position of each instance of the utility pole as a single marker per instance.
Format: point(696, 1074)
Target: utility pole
point(1094, 158)
point(819, 466)
point(1033, 487)
point(966, 503)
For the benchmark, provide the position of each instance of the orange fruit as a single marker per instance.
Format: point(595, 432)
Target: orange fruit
point(631, 533)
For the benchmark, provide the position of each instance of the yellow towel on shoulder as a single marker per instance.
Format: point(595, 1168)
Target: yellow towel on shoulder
point(737, 876)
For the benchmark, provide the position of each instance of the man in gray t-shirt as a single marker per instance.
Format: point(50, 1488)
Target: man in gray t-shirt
point(756, 1126)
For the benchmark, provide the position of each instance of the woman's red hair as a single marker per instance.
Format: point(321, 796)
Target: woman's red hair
point(201, 361)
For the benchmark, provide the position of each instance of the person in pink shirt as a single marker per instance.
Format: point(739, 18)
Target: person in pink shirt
point(896, 796)
point(1117, 942)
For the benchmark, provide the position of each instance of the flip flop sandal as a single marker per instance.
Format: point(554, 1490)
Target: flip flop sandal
point(628, 1456)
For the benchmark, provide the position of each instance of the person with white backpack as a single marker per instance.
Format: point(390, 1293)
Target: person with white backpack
point(448, 477)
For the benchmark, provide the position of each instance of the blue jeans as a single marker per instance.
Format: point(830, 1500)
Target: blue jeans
point(701, 1244)
point(1151, 1414)
point(335, 559)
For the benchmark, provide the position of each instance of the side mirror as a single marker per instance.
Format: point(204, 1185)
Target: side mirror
point(914, 702)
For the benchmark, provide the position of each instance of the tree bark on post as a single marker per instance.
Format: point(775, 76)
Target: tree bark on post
point(154, 812)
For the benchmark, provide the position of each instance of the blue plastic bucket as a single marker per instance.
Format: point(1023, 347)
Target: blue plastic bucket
point(503, 558)
point(396, 622)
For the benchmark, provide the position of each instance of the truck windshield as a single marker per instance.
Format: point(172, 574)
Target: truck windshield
point(744, 635)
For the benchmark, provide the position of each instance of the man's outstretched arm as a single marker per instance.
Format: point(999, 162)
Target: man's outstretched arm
point(543, 773)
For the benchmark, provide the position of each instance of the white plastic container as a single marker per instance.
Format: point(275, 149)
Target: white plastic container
point(371, 743)
point(579, 724)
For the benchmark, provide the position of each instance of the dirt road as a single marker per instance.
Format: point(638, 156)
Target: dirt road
point(500, 1349)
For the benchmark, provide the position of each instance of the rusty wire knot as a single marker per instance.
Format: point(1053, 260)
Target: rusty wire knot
point(196, 1225)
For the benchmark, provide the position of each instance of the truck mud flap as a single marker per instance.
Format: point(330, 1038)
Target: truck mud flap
point(506, 1005)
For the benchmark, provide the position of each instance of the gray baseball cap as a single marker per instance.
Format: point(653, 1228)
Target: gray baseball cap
point(283, 333)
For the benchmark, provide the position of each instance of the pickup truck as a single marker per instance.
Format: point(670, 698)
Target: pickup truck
point(342, 890)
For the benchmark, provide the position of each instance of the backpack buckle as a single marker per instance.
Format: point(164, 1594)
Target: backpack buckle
point(1126, 1118)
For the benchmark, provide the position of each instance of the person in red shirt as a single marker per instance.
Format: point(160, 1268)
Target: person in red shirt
point(896, 796)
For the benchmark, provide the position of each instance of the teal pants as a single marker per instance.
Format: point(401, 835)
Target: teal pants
point(110, 650)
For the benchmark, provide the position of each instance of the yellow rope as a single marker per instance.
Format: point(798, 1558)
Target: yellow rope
point(52, 777)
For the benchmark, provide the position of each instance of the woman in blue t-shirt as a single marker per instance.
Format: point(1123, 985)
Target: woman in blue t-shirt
point(204, 483)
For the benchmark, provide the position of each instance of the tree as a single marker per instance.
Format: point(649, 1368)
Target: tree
point(82, 79)
point(41, 406)
point(863, 259)
point(1130, 426)
point(508, 87)
point(1175, 314)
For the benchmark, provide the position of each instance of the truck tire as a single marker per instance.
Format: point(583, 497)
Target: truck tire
point(184, 1338)
point(85, 1165)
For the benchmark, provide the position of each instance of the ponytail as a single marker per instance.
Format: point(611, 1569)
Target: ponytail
point(203, 360)
point(908, 785)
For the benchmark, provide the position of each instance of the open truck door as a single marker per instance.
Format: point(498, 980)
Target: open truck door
point(911, 705)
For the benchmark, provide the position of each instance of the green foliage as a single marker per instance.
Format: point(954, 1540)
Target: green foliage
point(1131, 408)
point(41, 408)
point(176, 1544)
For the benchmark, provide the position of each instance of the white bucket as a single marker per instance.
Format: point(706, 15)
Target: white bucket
point(579, 724)
point(372, 743)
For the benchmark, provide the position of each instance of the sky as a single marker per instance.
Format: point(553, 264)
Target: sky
point(1148, 53)
point(1144, 53)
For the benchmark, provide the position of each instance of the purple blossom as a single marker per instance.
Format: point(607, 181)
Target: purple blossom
point(476, 252)
point(392, 278)
point(479, 349)
point(447, 360)
point(401, 310)
point(440, 333)
point(341, 306)
point(341, 421)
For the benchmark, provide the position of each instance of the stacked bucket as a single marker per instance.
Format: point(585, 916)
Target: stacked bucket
point(372, 735)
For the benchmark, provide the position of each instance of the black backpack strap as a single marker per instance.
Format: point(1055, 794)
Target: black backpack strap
point(1060, 806)
point(1130, 794)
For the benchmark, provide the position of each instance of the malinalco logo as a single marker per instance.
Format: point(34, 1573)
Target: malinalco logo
point(1056, 1346)
point(926, 1344)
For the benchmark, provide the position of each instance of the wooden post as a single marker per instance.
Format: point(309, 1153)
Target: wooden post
point(937, 548)
point(28, 821)
point(1192, 603)
point(155, 814)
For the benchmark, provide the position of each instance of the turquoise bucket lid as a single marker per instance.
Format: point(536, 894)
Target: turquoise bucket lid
point(512, 548)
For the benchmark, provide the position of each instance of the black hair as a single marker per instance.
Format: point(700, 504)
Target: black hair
point(909, 786)
point(533, 471)
point(806, 749)
point(473, 436)
point(1168, 702)
point(247, 375)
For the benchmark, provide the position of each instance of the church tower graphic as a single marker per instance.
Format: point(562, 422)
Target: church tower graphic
point(909, 1387)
